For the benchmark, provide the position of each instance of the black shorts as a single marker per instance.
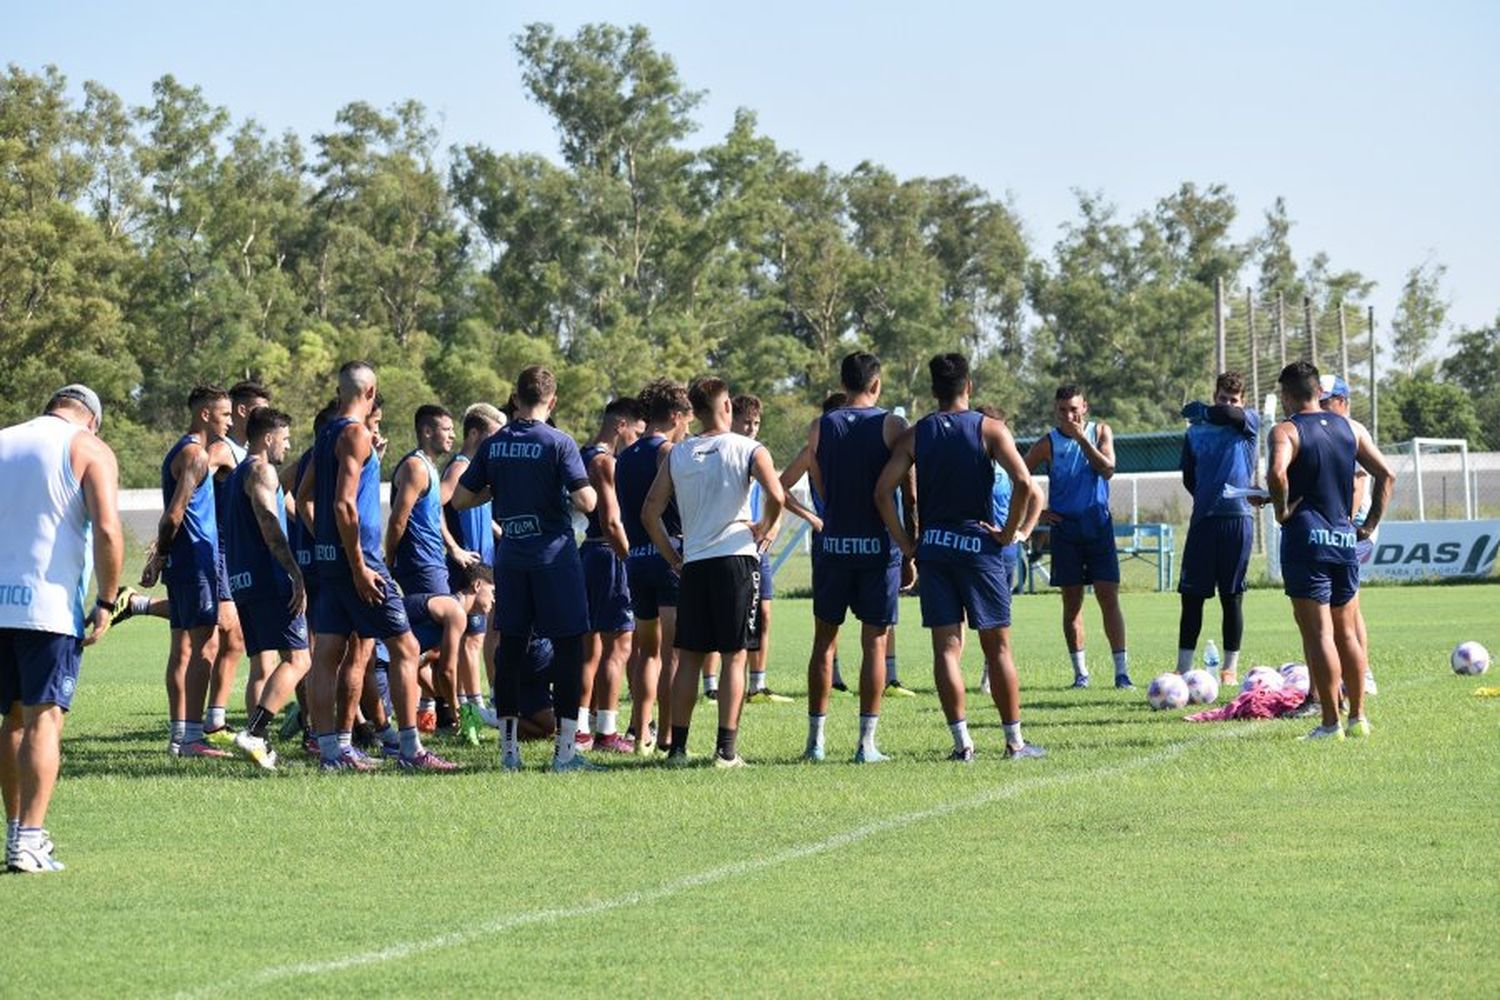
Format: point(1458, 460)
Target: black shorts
point(718, 608)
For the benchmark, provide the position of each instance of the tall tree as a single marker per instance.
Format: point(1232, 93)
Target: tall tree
point(1421, 314)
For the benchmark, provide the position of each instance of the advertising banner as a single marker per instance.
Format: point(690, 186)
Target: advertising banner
point(1413, 550)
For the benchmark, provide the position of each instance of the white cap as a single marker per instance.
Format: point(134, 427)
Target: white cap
point(83, 395)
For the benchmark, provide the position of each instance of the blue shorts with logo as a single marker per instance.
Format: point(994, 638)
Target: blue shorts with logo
point(269, 626)
point(341, 612)
point(1084, 557)
point(548, 599)
point(652, 583)
point(608, 586)
point(767, 585)
point(870, 590)
point(954, 591)
point(1216, 556)
point(193, 598)
point(38, 668)
point(1335, 583)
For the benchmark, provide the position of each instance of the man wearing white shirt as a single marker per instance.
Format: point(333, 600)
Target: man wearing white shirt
point(710, 476)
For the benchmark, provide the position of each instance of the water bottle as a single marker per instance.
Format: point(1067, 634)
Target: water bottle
point(1211, 659)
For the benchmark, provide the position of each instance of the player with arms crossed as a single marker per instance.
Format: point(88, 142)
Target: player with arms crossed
point(186, 558)
point(604, 552)
point(1080, 456)
point(1311, 485)
point(60, 514)
point(960, 555)
point(1217, 451)
point(265, 579)
point(654, 584)
point(857, 567)
point(531, 472)
point(710, 475)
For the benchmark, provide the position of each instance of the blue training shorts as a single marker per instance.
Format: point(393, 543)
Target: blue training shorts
point(341, 612)
point(549, 600)
point(954, 592)
point(767, 585)
point(193, 600)
point(869, 590)
point(1079, 559)
point(608, 587)
point(38, 668)
point(269, 626)
point(652, 583)
point(1216, 556)
point(1335, 583)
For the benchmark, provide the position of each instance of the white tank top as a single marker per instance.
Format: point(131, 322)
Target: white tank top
point(46, 540)
point(711, 477)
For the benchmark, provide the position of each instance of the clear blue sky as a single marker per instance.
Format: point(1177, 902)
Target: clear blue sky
point(1379, 122)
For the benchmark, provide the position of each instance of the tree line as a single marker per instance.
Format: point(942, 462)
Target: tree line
point(145, 249)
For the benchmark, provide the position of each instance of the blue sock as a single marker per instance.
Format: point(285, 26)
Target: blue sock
point(328, 746)
point(411, 744)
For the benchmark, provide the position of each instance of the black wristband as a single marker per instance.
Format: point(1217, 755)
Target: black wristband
point(104, 605)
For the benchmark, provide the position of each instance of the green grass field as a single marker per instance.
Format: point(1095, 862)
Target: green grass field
point(1144, 855)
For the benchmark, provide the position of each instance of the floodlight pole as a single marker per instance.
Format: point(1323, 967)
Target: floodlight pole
point(1312, 334)
point(1374, 384)
point(1254, 348)
point(1281, 325)
point(1218, 325)
point(1343, 343)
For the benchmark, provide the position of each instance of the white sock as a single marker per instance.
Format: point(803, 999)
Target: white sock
point(178, 730)
point(215, 717)
point(815, 730)
point(1184, 660)
point(346, 738)
point(605, 722)
point(567, 733)
point(1232, 660)
point(1121, 667)
point(867, 724)
point(960, 731)
point(583, 720)
point(510, 741)
point(192, 732)
point(710, 683)
point(1013, 734)
point(757, 680)
point(427, 705)
point(1080, 669)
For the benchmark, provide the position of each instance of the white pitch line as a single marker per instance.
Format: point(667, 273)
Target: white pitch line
point(499, 925)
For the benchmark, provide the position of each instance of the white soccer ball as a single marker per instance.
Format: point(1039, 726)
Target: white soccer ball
point(1203, 687)
point(1470, 659)
point(1297, 676)
point(1167, 691)
point(1263, 677)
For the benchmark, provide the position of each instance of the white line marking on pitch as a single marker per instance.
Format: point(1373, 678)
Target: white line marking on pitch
point(500, 925)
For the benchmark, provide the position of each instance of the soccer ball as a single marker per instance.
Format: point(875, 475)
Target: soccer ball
point(1470, 659)
point(1203, 687)
point(1263, 677)
point(1167, 691)
point(1297, 676)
